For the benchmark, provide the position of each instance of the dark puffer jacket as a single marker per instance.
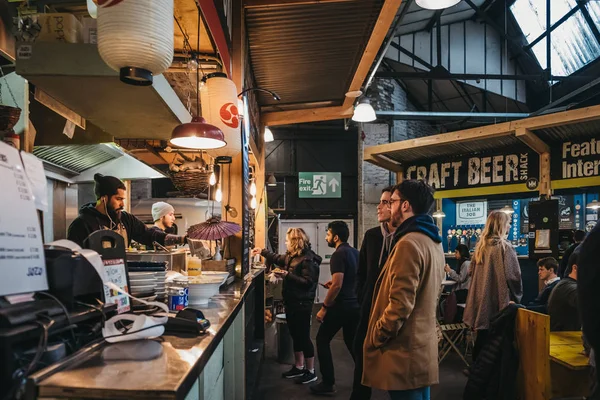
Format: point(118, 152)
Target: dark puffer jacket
point(494, 374)
point(300, 284)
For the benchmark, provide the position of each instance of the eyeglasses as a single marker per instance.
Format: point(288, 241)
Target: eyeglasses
point(392, 201)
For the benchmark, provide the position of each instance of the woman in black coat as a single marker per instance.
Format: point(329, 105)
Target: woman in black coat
point(299, 269)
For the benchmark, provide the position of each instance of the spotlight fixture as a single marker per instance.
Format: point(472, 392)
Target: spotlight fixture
point(439, 214)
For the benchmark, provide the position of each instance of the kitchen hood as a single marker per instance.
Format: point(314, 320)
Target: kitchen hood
point(75, 75)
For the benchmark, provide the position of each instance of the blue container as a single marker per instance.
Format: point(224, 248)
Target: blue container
point(178, 298)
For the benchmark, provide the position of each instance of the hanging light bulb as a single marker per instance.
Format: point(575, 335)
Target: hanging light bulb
point(437, 4)
point(507, 209)
point(268, 135)
point(253, 188)
point(439, 214)
point(213, 179)
point(593, 205)
point(364, 112)
point(253, 203)
point(218, 194)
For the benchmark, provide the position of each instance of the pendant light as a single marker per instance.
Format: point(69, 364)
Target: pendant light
point(439, 214)
point(507, 210)
point(271, 180)
point(213, 179)
point(253, 188)
point(268, 135)
point(364, 111)
point(593, 205)
point(436, 4)
point(198, 134)
point(135, 37)
point(218, 194)
point(253, 203)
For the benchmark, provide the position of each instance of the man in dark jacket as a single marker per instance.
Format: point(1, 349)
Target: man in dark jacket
point(375, 247)
point(107, 213)
point(563, 307)
point(588, 282)
point(578, 237)
point(547, 269)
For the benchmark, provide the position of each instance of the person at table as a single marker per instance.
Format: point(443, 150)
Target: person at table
point(107, 213)
point(374, 250)
point(401, 347)
point(563, 306)
point(299, 268)
point(578, 237)
point(547, 271)
point(588, 293)
point(340, 309)
point(463, 276)
point(496, 279)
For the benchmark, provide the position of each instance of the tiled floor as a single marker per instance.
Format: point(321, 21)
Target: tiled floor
point(273, 387)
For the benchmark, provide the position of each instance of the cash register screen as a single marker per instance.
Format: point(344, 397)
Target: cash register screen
point(22, 264)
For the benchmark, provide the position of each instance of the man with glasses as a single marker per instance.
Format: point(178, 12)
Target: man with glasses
point(375, 247)
point(401, 347)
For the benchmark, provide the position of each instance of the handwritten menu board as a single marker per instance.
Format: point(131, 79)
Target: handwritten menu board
point(116, 273)
point(22, 262)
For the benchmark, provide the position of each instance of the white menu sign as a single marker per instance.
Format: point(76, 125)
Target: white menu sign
point(22, 262)
point(471, 212)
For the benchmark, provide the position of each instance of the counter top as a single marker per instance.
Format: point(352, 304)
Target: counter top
point(165, 368)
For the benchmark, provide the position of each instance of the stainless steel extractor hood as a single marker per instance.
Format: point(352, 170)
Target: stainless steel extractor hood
point(75, 75)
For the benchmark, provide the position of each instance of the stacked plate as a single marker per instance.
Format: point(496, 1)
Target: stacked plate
point(147, 279)
point(160, 287)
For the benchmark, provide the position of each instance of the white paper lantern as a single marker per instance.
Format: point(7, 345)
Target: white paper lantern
point(218, 98)
point(135, 37)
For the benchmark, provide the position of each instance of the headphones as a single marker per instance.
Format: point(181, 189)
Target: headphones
point(143, 326)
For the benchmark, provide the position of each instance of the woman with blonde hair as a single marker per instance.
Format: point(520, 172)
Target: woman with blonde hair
point(299, 268)
point(496, 279)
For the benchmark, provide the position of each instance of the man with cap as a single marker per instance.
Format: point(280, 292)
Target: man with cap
point(107, 213)
point(163, 215)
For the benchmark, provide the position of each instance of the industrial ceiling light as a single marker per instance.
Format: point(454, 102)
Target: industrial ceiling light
point(268, 135)
point(364, 112)
point(271, 180)
point(436, 4)
point(198, 134)
point(439, 214)
point(507, 210)
point(593, 205)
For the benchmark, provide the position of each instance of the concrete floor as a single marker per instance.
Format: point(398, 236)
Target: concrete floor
point(273, 387)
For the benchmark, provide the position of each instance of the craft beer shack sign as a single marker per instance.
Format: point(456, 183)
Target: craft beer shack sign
point(576, 159)
point(478, 171)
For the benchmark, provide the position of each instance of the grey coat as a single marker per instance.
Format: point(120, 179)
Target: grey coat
point(495, 282)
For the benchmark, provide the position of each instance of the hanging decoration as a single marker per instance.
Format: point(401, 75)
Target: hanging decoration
point(135, 37)
point(220, 108)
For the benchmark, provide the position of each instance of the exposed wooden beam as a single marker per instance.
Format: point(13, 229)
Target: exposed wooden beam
point(384, 163)
point(382, 26)
point(309, 115)
point(491, 131)
point(153, 151)
point(280, 3)
point(531, 140)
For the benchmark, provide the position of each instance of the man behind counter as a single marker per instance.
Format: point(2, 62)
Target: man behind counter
point(107, 213)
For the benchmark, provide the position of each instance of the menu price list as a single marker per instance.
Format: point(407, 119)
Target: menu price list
point(21, 249)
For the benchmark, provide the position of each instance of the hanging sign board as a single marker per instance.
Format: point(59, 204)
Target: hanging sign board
point(575, 159)
point(471, 212)
point(470, 172)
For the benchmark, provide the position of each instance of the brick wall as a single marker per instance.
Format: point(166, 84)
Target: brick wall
point(385, 94)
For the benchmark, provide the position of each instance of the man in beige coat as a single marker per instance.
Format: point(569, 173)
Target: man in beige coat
point(401, 347)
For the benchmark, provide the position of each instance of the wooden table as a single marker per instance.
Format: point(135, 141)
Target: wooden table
point(566, 348)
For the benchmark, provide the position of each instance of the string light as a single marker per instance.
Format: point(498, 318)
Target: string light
point(213, 179)
point(253, 203)
point(253, 188)
point(218, 194)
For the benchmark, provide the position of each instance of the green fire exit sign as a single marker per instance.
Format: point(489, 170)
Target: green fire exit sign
point(319, 185)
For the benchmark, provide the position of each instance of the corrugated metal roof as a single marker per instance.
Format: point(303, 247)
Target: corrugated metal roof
point(77, 158)
point(559, 134)
point(432, 153)
point(309, 53)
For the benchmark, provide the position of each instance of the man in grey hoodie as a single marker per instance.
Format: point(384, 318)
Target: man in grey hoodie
point(376, 246)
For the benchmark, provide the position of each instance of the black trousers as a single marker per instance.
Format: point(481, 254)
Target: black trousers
point(479, 342)
point(337, 318)
point(360, 391)
point(298, 316)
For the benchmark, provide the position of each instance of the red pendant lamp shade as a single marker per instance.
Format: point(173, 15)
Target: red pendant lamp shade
point(198, 134)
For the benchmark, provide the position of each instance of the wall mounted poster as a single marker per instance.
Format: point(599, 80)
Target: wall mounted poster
point(471, 212)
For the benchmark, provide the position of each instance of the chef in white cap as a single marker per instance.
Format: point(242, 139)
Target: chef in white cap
point(163, 215)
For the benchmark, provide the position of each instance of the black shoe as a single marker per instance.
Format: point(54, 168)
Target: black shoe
point(323, 389)
point(307, 377)
point(294, 372)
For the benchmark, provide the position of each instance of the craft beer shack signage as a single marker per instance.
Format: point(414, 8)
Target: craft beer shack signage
point(576, 159)
point(479, 171)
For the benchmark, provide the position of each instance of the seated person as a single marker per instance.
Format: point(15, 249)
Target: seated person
point(562, 305)
point(547, 271)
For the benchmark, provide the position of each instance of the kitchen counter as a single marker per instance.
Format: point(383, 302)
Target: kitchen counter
point(171, 367)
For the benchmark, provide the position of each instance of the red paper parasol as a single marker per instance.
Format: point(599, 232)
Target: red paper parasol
point(213, 229)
